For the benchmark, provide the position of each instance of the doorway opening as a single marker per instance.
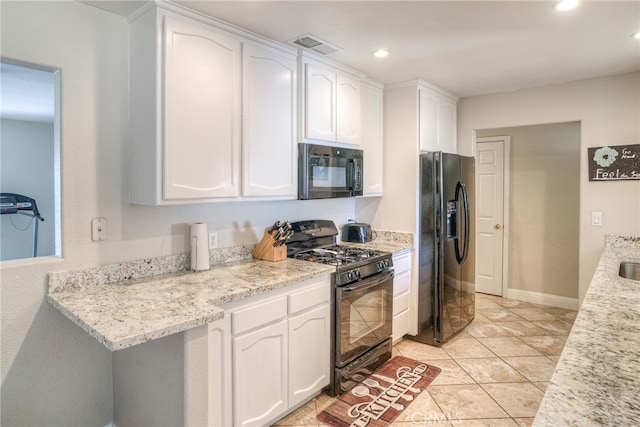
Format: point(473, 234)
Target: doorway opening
point(540, 230)
point(30, 161)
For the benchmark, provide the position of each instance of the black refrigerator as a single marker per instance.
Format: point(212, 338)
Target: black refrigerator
point(446, 288)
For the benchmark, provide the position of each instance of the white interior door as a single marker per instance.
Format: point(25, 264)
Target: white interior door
point(490, 214)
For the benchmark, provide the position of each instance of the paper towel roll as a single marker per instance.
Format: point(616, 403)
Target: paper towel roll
point(199, 246)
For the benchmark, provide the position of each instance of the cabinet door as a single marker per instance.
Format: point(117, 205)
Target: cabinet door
point(401, 295)
point(447, 127)
point(201, 88)
point(400, 326)
point(437, 123)
point(348, 110)
point(219, 373)
point(372, 142)
point(428, 122)
point(309, 351)
point(260, 375)
point(270, 165)
point(320, 103)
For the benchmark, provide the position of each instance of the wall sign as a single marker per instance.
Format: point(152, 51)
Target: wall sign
point(614, 163)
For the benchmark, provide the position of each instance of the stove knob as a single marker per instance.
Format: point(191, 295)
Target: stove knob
point(380, 265)
point(386, 263)
point(357, 272)
point(350, 275)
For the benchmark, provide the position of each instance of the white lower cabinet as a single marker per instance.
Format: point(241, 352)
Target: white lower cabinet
point(401, 295)
point(309, 347)
point(260, 365)
point(269, 355)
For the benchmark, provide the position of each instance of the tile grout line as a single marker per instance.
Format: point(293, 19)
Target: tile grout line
point(557, 333)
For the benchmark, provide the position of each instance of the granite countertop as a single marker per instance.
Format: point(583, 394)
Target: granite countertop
point(125, 304)
point(127, 313)
point(597, 379)
point(387, 241)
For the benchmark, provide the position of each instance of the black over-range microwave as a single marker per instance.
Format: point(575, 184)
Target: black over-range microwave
point(329, 172)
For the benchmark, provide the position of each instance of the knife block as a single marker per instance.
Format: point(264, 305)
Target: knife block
point(266, 251)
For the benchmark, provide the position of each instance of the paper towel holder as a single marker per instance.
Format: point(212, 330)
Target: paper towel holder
point(199, 246)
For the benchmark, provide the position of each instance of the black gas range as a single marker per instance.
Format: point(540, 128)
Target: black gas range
point(315, 241)
point(362, 302)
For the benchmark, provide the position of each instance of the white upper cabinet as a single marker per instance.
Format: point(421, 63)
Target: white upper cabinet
point(331, 110)
point(270, 162)
point(348, 110)
point(437, 120)
point(321, 103)
point(213, 112)
point(372, 137)
point(201, 88)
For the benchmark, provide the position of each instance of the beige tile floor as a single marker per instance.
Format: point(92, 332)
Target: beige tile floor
point(494, 373)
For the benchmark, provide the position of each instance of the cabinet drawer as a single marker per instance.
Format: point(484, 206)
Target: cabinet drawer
point(400, 303)
point(308, 297)
point(401, 283)
point(402, 263)
point(400, 325)
point(258, 314)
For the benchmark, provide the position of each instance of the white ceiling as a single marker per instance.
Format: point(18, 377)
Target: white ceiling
point(466, 47)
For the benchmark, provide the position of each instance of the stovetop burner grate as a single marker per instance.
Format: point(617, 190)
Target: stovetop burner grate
point(337, 255)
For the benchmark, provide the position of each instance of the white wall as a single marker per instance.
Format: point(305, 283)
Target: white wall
point(53, 373)
point(27, 165)
point(609, 112)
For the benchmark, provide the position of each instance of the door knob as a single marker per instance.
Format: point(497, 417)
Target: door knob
point(497, 227)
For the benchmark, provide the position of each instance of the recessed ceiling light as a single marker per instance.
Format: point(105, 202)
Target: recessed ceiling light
point(381, 53)
point(566, 5)
point(636, 35)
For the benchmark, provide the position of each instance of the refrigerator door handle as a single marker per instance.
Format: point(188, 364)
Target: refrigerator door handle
point(462, 257)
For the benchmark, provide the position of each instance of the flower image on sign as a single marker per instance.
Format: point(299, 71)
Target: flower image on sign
point(605, 156)
point(614, 163)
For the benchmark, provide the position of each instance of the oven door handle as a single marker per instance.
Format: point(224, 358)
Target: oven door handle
point(369, 282)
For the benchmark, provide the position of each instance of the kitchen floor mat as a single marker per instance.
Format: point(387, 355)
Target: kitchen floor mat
point(382, 396)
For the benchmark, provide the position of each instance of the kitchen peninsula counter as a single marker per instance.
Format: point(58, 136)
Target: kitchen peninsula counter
point(121, 310)
point(596, 380)
point(125, 304)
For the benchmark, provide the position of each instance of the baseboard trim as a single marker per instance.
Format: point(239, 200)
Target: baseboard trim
point(544, 299)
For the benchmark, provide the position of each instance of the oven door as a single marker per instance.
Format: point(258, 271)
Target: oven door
point(364, 315)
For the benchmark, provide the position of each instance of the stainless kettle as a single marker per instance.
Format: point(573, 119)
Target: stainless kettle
point(357, 232)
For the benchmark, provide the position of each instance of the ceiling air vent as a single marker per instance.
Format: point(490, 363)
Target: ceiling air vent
point(311, 42)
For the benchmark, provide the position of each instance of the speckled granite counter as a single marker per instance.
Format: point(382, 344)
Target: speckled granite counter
point(597, 379)
point(119, 308)
point(125, 304)
point(388, 241)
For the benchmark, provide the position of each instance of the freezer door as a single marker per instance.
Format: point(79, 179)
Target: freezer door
point(452, 247)
point(430, 205)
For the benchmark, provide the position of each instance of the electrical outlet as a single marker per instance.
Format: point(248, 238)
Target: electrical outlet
point(98, 229)
point(213, 240)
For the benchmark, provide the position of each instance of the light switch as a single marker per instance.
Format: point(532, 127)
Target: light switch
point(596, 219)
point(98, 229)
